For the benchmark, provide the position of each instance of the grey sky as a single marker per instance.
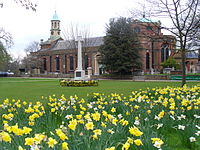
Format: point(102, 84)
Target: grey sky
point(27, 26)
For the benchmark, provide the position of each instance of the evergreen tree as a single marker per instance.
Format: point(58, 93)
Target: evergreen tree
point(120, 51)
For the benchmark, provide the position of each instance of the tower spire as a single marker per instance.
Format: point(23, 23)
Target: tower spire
point(55, 27)
point(144, 7)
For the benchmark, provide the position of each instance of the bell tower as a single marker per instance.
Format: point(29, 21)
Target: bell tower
point(55, 27)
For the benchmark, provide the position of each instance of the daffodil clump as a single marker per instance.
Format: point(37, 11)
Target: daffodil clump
point(153, 119)
point(78, 83)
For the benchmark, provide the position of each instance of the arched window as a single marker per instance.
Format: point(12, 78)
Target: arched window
point(136, 29)
point(45, 64)
point(50, 63)
point(149, 28)
point(165, 52)
point(71, 63)
point(86, 62)
point(57, 63)
point(55, 25)
point(147, 60)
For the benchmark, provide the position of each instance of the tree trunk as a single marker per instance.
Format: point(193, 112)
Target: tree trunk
point(183, 67)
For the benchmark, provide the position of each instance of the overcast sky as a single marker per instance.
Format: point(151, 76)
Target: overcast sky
point(27, 26)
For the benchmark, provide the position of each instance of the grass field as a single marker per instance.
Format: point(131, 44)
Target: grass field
point(32, 89)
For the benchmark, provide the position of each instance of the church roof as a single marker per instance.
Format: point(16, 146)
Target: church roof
point(191, 54)
point(146, 20)
point(71, 44)
point(55, 16)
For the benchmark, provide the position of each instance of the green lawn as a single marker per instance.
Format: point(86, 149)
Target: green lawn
point(31, 89)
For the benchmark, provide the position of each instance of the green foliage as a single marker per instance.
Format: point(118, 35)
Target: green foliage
point(5, 58)
point(78, 83)
point(169, 63)
point(120, 50)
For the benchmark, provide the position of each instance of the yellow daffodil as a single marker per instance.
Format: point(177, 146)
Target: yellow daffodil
point(89, 126)
point(72, 124)
point(51, 142)
point(111, 148)
point(135, 131)
point(5, 137)
point(138, 142)
point(29, 141)
point(65, 146)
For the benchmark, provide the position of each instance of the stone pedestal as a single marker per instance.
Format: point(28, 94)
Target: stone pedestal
point(79, 75)
point(89, 72)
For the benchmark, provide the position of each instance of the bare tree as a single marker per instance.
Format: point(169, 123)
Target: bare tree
point(71, 34)
point(32, 47)
point(184, 16)
point(28, 4)
point(5, 42)
point(75, 30)
point(6, 38)
point(30, 61)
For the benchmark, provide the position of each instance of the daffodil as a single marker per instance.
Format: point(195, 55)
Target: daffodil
point(138, 142)
point(111, 148)
point(65, 146)
point(51, 142)
point(89, 126)
point(29, 141)
point(126, 146)
point(72, 124)
point(135, 131)
point(5, 137)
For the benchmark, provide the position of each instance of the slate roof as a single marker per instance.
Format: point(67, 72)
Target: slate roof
point(71, 44)
point(191, 55)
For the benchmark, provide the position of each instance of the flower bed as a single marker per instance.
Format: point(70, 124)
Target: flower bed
point(80, 83)
point(152, 119)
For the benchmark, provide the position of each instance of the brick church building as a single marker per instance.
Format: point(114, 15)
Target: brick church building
point(60, 56)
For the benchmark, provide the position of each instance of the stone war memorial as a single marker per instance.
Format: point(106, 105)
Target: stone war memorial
point(79, 72)
point(80, 79)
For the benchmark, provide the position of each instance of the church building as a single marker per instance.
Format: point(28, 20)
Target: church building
point(60, 56)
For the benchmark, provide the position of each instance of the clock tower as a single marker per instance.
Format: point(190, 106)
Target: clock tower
point(55, 27)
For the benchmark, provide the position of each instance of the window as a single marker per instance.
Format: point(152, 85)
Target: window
point(50, 63)
point(57, 63)
point(86, 62)
point(55, 25)
point(149, 28)
point(45, 64)
point(71, 62)
point(165, 52)
point(147, 60)
point(136, 29)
